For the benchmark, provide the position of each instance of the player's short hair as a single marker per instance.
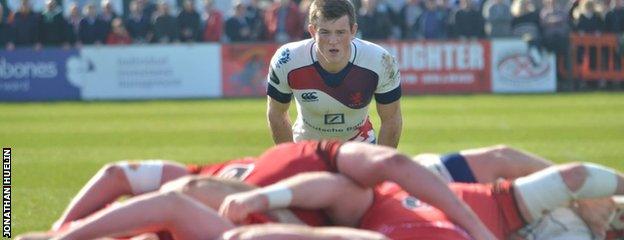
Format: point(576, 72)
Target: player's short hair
point(331, 10)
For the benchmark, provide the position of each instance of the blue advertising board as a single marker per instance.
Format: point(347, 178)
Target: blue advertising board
point(29, 75)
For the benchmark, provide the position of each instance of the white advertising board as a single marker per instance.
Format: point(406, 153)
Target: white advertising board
point(147, 71)
point(515, 70)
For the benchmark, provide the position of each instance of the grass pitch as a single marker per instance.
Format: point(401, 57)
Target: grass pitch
point(57, 147)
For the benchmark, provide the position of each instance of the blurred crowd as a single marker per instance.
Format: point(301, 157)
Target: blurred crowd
point(151, 21)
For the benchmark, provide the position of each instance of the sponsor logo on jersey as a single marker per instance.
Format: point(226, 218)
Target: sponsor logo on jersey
point(283, 58)
point(309, 97)
point(334, 118)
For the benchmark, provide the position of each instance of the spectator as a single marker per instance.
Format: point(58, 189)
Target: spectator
point(374, 20)
point(26, 24)
point(53, 30)
point(107, 15)
point(467, 22)
point(118, 34)
point(236, 28)
point(73, 22)
point(165, 25)
point(92, 30)
point(147, 7)
point(213, 22)
point(304, 9)
point(408, 17)
point(255, 18)
point(432, 23)
point(138, 24)
point(555, 27)
point(614, 19)
point(283, 21)
point(525, 22)
point(497, 15)
point(587, 19)
point(189, 22)
point(6, 33)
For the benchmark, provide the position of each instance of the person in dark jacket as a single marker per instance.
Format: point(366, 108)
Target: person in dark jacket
point(588, 19)
point(7, 33)
point(614, 20)
point(467, 22)
point(165, 25)
point(54, 28)
point(92, 30)
point(374, 21)
point(189, 22)
point(26, 24)
point(237, 28)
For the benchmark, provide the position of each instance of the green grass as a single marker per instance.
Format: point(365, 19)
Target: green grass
point(58, 146)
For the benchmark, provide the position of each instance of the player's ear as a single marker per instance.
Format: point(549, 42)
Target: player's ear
point(312, 30)
point(354, 30)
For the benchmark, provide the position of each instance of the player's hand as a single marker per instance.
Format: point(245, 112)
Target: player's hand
point(236, 207)
point(596, 213)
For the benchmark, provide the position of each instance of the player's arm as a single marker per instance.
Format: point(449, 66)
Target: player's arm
point(391, 123)
point(370, 165)
point(279, 95)
point(342, 199)
point(285, 232)
point(388, 96)
point(182, 216)
point(279, 121)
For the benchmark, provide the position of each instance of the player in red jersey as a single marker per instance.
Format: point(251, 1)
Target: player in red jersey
point(368, 165)
point(504, 207)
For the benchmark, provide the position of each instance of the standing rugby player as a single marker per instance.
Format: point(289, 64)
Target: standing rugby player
point(333, 77)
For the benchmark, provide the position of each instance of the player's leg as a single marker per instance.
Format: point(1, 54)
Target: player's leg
point(116, 180)
point(285, 232)
point(491, 163)
point(483, 165)
point(557, 186)
point(173, 212)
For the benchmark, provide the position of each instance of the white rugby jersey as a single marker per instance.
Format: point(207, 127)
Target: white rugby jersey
point(333, 105)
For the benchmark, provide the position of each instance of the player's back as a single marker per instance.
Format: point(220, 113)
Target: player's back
point(401, 217)
point(281, 162)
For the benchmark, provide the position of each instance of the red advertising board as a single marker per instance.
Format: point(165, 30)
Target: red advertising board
point(443, 66)
point(245, 68)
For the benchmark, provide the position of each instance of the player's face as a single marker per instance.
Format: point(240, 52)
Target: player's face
point(333, 38)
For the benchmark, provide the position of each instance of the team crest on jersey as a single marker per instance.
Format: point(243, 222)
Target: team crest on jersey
point(356, 99)
point(309, 97)
point(236, 171)
point(283, 58)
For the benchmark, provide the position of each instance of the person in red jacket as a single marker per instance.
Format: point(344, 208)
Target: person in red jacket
point(118, 34)
point(213, 22)
point(284, 22)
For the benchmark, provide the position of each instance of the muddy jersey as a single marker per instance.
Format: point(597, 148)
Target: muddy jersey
point(333, 105)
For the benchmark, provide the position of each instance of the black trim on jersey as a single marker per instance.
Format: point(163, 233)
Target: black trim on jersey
point(389, 97)
point(277, 95)
point(333, 79)
point(273, 77)
point(311, 51)
point(354, 52)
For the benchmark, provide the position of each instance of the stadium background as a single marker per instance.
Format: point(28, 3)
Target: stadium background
point(68, 133)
